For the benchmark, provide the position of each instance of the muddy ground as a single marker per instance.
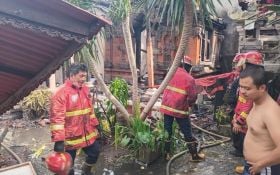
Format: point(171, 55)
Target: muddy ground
point(25, 138)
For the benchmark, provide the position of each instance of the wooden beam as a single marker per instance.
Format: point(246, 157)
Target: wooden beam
point(150, 60)
point(40, 77)
point(15, 71)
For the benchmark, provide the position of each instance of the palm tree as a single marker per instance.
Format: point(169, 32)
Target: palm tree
point(178, 12)
point(86, 54)
point(186, 34)
point(120, 11)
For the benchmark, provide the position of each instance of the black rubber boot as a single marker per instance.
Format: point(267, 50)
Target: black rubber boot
point(86, 169)
point(167, 148)
point(192, 146)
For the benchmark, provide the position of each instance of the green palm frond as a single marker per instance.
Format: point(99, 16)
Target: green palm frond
point(119, 9)
point(172, 10)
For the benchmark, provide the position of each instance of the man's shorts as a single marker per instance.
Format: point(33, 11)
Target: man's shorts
point(273, 170)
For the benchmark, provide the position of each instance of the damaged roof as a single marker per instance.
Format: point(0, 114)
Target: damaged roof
point(36, 37)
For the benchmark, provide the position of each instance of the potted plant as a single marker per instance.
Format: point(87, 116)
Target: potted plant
point(145, 143)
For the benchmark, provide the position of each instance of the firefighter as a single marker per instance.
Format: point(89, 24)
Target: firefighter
point(231, 96)
point(178, 96)
point(239, 126)
point(241, 108)
point(73, 122)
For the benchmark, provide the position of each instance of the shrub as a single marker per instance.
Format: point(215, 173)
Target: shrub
point(36, 104)
point(222, 117)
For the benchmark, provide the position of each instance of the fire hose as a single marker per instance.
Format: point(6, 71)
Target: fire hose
point(224, 139)
point(12, 153)
point(2, 136)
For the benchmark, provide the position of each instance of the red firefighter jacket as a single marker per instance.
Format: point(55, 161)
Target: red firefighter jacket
point(72, 117)
point(242, 110)
point(179, 94)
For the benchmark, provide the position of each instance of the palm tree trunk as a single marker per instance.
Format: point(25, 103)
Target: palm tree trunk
point(107, 92)
point(132, 63)
point(186, 34)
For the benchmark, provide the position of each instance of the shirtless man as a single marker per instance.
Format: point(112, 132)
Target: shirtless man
point(262, 141)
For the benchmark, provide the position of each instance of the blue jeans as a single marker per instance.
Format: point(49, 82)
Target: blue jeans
point(246, 168)
point(184, 124)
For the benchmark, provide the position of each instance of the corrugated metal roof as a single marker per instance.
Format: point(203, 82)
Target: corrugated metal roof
point(36, 37)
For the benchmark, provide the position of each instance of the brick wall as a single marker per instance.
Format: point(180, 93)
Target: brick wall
point(117, 65)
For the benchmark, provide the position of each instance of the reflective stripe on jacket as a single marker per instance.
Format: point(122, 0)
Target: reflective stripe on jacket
point(72, 117)
point(242, 110)
point(178, 94)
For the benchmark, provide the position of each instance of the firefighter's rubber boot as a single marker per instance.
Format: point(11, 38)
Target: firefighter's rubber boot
point(239, 169)
point(196, 157)
point(87, 169)
point(167, 147)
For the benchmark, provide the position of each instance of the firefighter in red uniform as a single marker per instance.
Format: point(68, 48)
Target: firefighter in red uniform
point(239, 125)
point(178, 96)
point(241, 107)
point(73, 122)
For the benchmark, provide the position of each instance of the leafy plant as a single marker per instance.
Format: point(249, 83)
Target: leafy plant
point(139, 135)
point(119, 88)
point(37, 103)
point(222, 117)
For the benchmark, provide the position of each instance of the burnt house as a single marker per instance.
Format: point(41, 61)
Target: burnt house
point(204, 49)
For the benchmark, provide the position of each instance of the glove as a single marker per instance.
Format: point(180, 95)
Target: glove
point(59, 146)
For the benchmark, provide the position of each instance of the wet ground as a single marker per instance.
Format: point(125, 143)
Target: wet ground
point(26, 140)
